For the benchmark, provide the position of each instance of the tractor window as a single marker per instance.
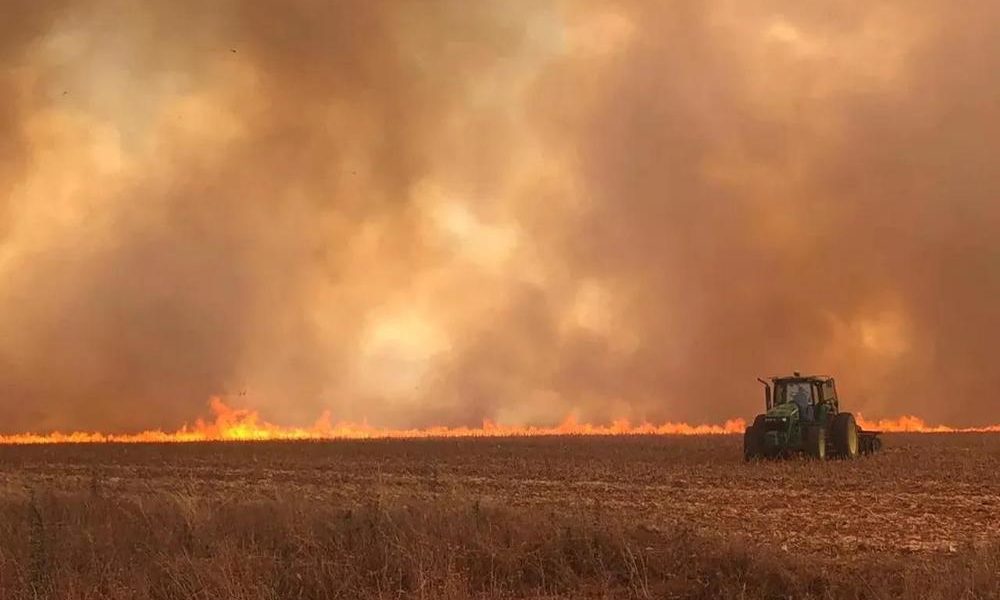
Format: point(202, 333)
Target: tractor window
point(799, 392)
point(829, 393)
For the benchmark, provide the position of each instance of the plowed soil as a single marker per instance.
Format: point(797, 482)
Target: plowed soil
point(930, 493)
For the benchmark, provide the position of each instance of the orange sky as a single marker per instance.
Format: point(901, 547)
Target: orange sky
point(436, 215)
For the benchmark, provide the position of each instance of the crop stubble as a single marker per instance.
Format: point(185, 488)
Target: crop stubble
point(924, 494)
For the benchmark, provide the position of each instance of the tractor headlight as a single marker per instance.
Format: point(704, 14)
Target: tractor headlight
point(777, 424)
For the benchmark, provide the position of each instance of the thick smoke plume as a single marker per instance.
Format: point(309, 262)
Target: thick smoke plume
point(439, 212)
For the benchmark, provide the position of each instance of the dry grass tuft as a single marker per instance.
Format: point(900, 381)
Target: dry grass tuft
point(172, 545)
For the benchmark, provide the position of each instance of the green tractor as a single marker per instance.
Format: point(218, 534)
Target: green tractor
point(803, 417)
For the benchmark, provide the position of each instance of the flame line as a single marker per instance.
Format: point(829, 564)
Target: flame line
point(231, 424)
point(911, 424)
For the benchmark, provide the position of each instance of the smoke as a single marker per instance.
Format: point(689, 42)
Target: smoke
point(444, 212)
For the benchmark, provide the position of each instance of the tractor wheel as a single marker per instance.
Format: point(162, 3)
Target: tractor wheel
point(753, 443)
point(816, 442)
point(844, 431)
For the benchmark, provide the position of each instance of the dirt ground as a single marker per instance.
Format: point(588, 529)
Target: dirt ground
point(925, 493)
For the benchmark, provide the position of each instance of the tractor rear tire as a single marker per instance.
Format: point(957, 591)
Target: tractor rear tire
point(753, 443)
point(844, 431)
point(816, 442)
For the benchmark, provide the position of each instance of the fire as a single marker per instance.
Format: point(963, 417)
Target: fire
point(231, 424)
point(910, 424)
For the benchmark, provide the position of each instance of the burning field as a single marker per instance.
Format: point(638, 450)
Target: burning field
point(523, 260)
point(232, 424)
point(642, 516)
point(235, 506)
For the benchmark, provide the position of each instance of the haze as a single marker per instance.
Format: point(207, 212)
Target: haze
point(430, 213)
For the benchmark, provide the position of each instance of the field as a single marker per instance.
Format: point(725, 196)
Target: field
point(639, 516)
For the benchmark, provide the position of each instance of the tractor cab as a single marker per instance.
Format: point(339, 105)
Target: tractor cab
point(812, 398)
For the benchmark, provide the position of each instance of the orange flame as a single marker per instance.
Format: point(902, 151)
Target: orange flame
point(231, 424)
point(910, 424)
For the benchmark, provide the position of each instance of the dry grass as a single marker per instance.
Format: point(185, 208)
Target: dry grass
point(175, 546)
point(558, 518)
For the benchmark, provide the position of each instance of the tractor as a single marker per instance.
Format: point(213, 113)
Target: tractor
point(803, 417)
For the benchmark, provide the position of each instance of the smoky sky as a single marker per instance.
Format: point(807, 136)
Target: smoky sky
point(441, 212)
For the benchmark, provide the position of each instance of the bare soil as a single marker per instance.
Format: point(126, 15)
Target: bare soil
point(926, 500)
